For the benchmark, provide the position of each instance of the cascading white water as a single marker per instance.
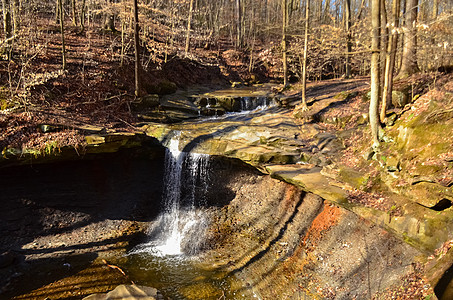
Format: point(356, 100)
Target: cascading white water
point(250, 104)
point(179, 229)
point(246, 104)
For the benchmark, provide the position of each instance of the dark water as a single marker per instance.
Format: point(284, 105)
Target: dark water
point(183, 278)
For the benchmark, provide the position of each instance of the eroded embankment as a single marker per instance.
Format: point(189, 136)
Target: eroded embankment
point(284, 243)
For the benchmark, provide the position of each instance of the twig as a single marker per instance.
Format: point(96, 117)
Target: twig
point(117, 268)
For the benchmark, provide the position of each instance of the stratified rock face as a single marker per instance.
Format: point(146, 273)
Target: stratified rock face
point(254, 138)
point(422, 154)
point(280, 241)
point(129, 292)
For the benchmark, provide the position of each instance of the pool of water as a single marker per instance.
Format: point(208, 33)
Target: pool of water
point(179, 277)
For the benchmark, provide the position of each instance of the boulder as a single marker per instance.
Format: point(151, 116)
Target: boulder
point(399, 99)
point(164, 87)
point(129, 292)
point(150, 101)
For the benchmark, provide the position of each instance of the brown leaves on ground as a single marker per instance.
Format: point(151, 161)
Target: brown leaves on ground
point(414, 286)
point(374, 200)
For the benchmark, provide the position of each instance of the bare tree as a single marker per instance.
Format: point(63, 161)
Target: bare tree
point(7, 26)
point(82, 16)
point(375, 78)
point(390, 60)
point(137, 51)
point(409, 57)
point(16, 15)
point(284, 50)
point(189, 22)
point(347, 9)
point(63, 45)
point(435, 9)
point(74, 12)
point(239, 23)
point(304, 67)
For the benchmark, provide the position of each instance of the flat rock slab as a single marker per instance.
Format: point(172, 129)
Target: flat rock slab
point(269, 136)
point(128, 292)
point(310, 179)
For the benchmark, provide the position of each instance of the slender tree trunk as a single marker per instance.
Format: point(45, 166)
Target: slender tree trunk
point(390, 61)
point(63, 45)
point(189, 22)
point(326, 12)
point(123, 29)
point(82, 16)
point(137, 51)
point(239, 24)
point(304, 68)
point(16, 15)
point(74, 12)
point(347, 9)
point(384, 40)
point(375, 78)
point(362, 5)
point(285, 62)
point(8, 28)
point(409, 57)
point(319, 16)
point(57, 14)
point(435, 9)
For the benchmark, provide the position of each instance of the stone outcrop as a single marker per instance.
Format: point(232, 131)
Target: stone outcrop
point(129, 292)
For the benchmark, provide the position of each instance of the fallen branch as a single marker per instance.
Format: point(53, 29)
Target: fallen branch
point(117, 268)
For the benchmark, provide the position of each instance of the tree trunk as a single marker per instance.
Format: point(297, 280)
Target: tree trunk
point(57, 14)
point(137, 51)
point(326, 14)
point(74, 12)
point(285, 62)
point(347, 9)
point(384, 40)
point(16, 16)
point(8, 28)
point(319, 16)
point(375, 78)
point(409, 57)
point(304, 68)
point(239, 24)
point(362, 5)
point(123, 29)
point(63, 46)
point(189, 21)
point(435, 9)
point(82, 16)
point(390, 61)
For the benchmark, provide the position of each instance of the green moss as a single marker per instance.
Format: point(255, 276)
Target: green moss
point(5, 100)
point(354, 178)
point(345, 95)
point(51, 147)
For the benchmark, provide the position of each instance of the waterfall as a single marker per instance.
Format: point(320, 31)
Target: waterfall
point(179, 229)
point(252, 103)
point(246, 104)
